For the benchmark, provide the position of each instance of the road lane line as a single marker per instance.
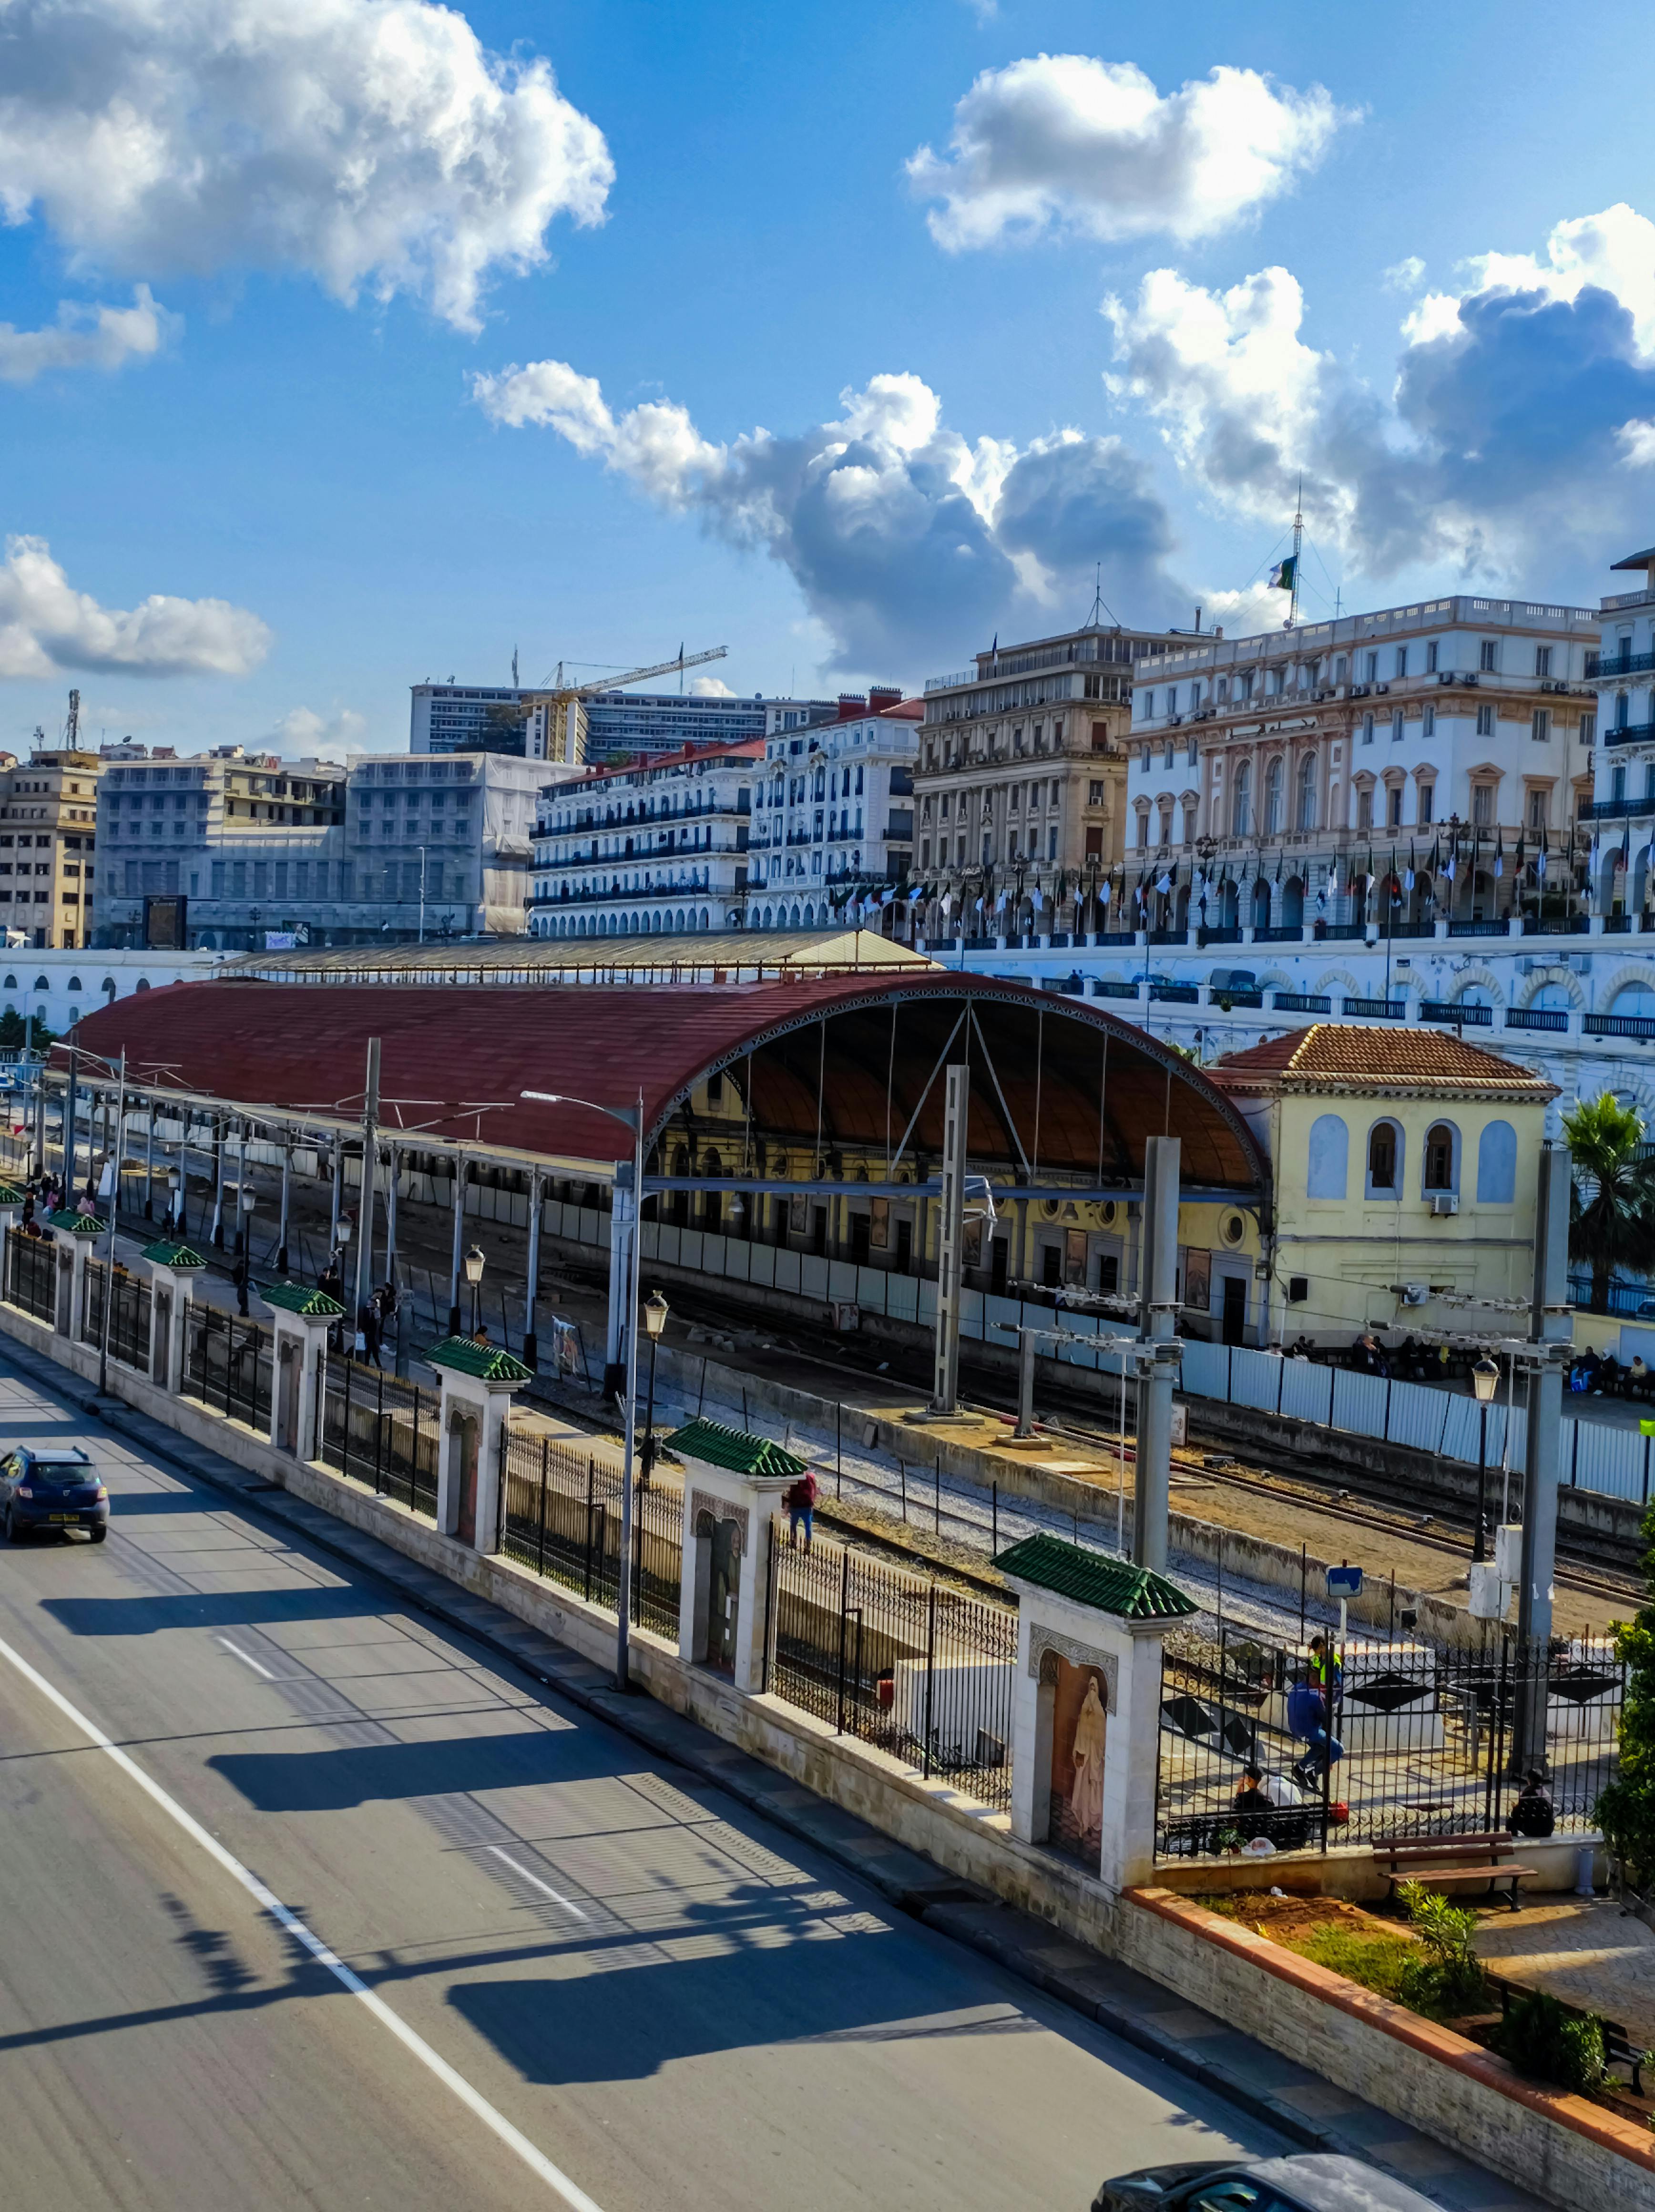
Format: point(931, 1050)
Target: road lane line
point(545, 1887)
point(245, 1657)
point(291, 1924)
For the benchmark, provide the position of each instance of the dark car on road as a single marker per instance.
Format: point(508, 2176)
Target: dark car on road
point(1318, 2182)
point(57, 1489)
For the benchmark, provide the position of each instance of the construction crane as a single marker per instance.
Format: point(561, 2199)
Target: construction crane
point(561, 707)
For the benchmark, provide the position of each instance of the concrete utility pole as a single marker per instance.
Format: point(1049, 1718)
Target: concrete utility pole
point(69, 1139)
point(1550, 1330)
point(365, 1213)
point(459, 1239)
point(1152, 1488)
point(218, 1184)
point(287, 1196)
point(531, 1342)
point(951, 1239)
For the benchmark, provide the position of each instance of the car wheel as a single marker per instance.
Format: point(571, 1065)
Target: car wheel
point(14, 1534)
point(99, 1534)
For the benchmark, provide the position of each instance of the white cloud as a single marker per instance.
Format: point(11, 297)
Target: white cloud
point(902, 536)
point(1406, 275)
point(87, 337)
point(1064, 140)
point(302, 731)
point(709, 687)
point(374, 143)
point(1502, 447)
point(45, 626)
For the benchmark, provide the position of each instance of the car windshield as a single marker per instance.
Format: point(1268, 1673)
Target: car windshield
point(61, 1473)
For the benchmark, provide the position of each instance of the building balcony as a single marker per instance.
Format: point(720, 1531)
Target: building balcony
point(1617, 810)
point(1455, 1014)
point(1628, 734)
point(1537, 1018)
point(1604, 667)
point(1620, 1025)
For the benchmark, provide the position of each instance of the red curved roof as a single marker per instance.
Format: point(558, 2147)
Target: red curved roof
point(454, 1061)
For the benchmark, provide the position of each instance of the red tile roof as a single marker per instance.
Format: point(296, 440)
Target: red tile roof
point(1336, 1057)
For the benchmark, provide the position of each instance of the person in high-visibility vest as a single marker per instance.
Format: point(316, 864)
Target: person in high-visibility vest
point(1327, 1668)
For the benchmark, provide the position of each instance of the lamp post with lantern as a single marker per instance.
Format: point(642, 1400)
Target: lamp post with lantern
point(655, 1321)
point(1485, 1381)
point(475, 1261)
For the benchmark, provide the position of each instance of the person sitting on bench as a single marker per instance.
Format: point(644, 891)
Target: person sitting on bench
point(1533, 1814)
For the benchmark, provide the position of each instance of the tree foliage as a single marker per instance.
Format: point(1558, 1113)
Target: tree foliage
point(1626, 1811)
point(1613, 1225)
point(17, 1032)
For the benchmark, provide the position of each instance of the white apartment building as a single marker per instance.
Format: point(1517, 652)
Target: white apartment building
point(1623, 788)
point(660, 847)
point(833, 817)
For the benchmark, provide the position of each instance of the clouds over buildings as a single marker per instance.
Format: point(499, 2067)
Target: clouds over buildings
point(1502, 447)
point(86, 338)
point(907, 540)
point(47, 626)
point(1065, 141)
point(373, 144)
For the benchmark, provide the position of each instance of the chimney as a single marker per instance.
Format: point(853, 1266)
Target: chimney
point(852, 704)
point(881, 695)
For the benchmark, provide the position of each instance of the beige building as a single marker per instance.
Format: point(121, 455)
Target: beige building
point(1022, 776)
point(1404, 1164)
point(48, 821)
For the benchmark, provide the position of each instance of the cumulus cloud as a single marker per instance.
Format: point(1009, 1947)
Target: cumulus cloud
point(1064, 141)
point(86, 338)
point(302, 731)
point(374, 143)
point(709, 687)
point(907, 540)
point(47, 626)
point(1406, 275)
point(1502, 448)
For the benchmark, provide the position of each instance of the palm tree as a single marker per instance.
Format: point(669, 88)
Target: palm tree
point(1612, 1199)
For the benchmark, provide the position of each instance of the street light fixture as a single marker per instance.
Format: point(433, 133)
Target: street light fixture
point(1485, 1381)
point(475, 1263)
point(630, 1117)
point(655, 1321)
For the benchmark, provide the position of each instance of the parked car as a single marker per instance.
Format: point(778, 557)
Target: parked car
point(1314, 2182)
point(57, 1489)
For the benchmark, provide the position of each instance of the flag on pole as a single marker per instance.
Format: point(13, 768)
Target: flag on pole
point(1500, 855)
point(1283, 576)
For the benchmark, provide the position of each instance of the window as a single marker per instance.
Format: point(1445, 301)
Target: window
point(1093, 793)
point(1588, 729)
point(1329, 1147)
point(1190, 754)
point(1307, 818)
point(1371, 670)
point(1425, 812)
point(1540, 725)
point(1365, 807)
point(1483, 805)
point(1340, 665)
point(1402, 660)
point(1489, 655)
point(1496, 1165)
point(1273, 798)
point(1395, 726)
point(1542, 655)
point(1537, 810)
point(1485, 721)
point(1367, 729)
point(1393, 807)
point(1439, 1149)
point(1428, 723)
point(1166, 754)
point(1384, 1159)
point(1147, 703)
point(1241, 801)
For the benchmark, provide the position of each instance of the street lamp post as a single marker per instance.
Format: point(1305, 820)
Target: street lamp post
point(655, 1321)
point(475, 1263)
point(630, 1117)
point(1485, 1381)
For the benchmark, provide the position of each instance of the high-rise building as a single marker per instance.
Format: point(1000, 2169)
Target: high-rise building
point(619, 724)
point(379, 850)
point(48, 824)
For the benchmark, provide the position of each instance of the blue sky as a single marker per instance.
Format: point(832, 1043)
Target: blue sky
point(367, 404)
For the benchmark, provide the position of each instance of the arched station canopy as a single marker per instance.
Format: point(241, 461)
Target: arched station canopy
point(839, 1069)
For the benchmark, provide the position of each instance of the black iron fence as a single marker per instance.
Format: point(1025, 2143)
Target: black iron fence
point(1424, 1741)
point(923, 1670)
point(227, 1365)
point(560, 1514)
point(128, 1318)
point(380, 1430)
point(32, 1275)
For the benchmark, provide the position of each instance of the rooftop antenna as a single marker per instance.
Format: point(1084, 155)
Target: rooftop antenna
point(1099, 604)
point(514, 674)
point(72, 727)
point(681, 668)
point(1298, 541)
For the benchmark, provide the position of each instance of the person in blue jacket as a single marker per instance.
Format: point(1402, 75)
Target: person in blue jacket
point(1307, 1719)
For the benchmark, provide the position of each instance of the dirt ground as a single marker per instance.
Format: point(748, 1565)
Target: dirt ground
point(1284, 1919)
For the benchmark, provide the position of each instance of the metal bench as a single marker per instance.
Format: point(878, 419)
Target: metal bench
point(1451, 1861)
point(1619, 2049)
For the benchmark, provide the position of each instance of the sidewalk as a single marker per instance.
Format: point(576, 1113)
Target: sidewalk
point(1309, 2112)
point(1588, 1952)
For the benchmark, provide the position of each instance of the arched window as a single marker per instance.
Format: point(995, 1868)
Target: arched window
point(75, 984)
point(108, 988)
point(1385, 1160)
point(1273, 798)
point(1633, 999)
point(1441, 1156)
point(41, 983)
point(1496, 1165)
point(11, 983)
point(1330, 1148)
point(1552, 999)
point(1307, 793)
point(1241, 801)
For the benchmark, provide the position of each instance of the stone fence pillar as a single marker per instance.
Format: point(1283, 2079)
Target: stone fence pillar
point(1086, 1713)
point(477, 1383)
point(301, 1321)
point(173, 1271)
point(74, 1233)
point(733, 1483)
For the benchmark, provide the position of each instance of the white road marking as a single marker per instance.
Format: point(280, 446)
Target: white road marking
point(537, 2163)
point(246, 1658)
point(545, 1887)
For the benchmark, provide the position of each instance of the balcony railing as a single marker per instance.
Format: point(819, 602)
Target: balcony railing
point(1564, 925)
point(1617, 664)
point(1620, 1025)
point(1628, 734)
point(1290, 932)
point(1383, 1010)
point(1617, 810)
point(1301, 1002)
point(1537, 1017)
point(1455, 1014)
point(1183, 995)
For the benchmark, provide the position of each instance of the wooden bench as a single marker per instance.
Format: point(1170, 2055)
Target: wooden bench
point(1619, 2049)
point(1451, 1861)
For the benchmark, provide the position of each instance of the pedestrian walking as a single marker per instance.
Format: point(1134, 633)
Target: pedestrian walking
point(801, 1504)
point(241, 1276)
point(368, 1329)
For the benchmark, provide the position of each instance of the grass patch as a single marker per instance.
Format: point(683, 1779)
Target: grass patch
point(1376, 1961)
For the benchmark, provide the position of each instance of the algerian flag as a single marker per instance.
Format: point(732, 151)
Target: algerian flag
point(1284, 574)
point(1103, 896)
point(1163, 884)
point(978, 906)
point(1040, 898)
point(948, 903)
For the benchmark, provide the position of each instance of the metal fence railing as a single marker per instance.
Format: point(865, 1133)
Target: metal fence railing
point(1425, 1740)
point(919, 1668)
point(32, 1275)
point(379, 1431)
point(227, 1365)
point(129, 1319)
point(560, 1514)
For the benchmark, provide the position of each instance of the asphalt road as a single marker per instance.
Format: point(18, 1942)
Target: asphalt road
point(575, 1977)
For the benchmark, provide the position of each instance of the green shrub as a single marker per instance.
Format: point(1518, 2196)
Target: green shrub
point(1444, 1976)
point(1543, 2039)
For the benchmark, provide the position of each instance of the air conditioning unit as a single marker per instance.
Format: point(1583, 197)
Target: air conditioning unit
point(1381, 687)
point(1444, 1201)
point(1359, 690)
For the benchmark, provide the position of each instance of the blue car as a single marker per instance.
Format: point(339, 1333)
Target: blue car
point(57, 1489)
point(1313, 2182)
